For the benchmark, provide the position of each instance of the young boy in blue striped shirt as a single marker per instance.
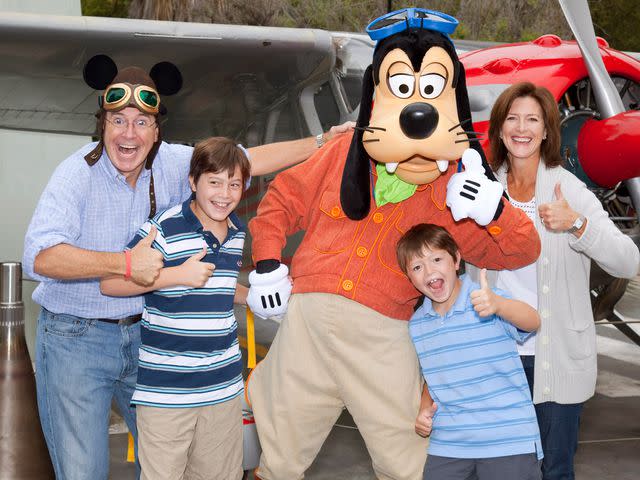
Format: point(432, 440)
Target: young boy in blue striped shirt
point(187, 397)
point(476, 398)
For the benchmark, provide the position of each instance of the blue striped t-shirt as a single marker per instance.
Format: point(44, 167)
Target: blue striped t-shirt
point(189, 352)
point(475, 376)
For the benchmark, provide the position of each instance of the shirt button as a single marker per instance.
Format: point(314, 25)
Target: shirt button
point(545, 289)
point(347, 285)
point(335, 212)
point(214, 245)
point(362, 252)
point(546, 390)
point(378, 217)
point(545, 261)
point(546, 365)
point(544, 313)
point(545, 340)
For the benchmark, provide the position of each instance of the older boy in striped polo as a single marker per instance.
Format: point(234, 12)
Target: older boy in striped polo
point(190, 371)
point(483, 420)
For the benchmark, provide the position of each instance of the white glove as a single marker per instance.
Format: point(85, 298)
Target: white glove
point(269, 292)
point(470, 193)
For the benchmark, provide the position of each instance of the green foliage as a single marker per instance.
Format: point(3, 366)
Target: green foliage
point(618, 22)
point(460, 33)
point(501, 30)
point(105, 8)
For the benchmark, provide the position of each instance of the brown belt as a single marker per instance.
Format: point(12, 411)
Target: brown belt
point(126, 321)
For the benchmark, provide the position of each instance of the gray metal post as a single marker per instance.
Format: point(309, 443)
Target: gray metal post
point(23, 451)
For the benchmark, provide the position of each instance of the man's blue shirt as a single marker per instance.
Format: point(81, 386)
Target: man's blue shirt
point(93, 207)
point(475, 376)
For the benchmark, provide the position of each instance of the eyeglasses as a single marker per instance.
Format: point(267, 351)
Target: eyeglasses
point(120, 95)
point(139, 124)
point(407, 18)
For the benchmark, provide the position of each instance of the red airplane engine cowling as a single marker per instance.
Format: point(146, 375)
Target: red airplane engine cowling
point(608, 149)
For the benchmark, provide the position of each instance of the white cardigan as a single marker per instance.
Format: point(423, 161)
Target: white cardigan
point(565, 365)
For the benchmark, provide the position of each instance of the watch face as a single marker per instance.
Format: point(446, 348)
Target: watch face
point(577, 225)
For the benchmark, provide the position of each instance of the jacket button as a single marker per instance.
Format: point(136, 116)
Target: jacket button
point(362, 252)
point(347, 285)
point(495, 230)
point(378, 217)
point(335, 212)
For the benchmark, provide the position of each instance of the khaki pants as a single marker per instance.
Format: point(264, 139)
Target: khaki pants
point(331, 352)
point(191, 443)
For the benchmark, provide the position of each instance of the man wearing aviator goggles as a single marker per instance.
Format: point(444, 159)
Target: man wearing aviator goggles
point(91, 208)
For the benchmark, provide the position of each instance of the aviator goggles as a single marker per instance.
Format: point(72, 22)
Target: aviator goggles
point(120, 95)
point(401, 20)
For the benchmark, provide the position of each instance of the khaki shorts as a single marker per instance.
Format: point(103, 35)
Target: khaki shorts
point(331, 352)
point(191, 443)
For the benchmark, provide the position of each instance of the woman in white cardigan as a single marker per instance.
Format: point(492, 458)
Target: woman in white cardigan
point(560, 360)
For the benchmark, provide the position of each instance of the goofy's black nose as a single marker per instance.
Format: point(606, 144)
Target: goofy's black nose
point(418, 120)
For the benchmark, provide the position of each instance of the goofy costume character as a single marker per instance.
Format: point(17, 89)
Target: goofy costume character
point(344, 341)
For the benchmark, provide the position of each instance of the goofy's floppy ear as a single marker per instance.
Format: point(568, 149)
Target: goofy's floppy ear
point(464, 113)
point(355, 195)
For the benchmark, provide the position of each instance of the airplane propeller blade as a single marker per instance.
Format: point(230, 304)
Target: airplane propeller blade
point(608, 100)
point(579, 19)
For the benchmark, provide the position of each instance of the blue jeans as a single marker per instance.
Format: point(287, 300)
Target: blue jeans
point(559, 425)
point(81, 364)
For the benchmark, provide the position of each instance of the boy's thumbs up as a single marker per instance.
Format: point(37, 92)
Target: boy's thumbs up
point(200, 255)
point(484, 283)
point(483, 299)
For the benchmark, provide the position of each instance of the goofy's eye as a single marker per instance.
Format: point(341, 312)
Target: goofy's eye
point(402, 85)
point(431, 85)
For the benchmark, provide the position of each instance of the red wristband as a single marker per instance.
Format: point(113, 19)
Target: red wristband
point(127, 259)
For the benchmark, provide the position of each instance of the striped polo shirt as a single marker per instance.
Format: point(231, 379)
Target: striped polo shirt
point(189, 352)
point(475, 376)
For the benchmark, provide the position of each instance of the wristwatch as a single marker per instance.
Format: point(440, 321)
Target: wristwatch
point(577, 225)
point(320, 140)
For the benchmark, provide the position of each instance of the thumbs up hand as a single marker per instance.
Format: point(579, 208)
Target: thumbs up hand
point(146, 261)
point(194, 272)
point(470, 193)
point(424, 420)
point(484, 301)
point(557, 215)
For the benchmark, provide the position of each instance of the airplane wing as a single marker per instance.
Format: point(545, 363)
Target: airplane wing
point(231, 73)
